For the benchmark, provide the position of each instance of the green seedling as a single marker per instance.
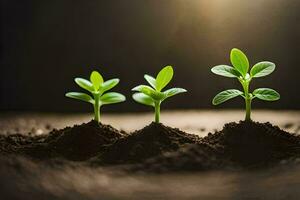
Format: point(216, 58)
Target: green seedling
point(97, 87)
point(153, 96)
point(240, 70)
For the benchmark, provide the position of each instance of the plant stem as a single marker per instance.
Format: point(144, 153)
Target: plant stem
point(157, 111)
point(248, 109)
point(248, 100)
point(97, 109)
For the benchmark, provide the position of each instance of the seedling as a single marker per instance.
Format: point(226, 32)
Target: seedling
point(153, 96)
point(97, 87)
point(240, 70)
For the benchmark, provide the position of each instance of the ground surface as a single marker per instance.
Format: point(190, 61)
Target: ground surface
point(24, 179)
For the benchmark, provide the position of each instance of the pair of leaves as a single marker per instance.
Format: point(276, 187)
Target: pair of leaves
point(143, 97)
point(97, 86)
point(107, 98)
point(149, 95)
point(241, 67)
point(162, 79)
point(92, 85)
point(265, 94)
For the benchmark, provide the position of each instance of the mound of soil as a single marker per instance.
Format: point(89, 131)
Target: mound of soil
point(77, 143)
point(158, 148)
point(243, 145)
point(152, 140)
point(251, 144)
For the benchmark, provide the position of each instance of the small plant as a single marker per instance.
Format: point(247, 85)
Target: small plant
point(153, 96)
point(97, 87)
point(240, 71)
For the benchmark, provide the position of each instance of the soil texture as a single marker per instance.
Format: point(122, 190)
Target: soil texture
point(251, 144)
point(76, 143)
point(159, 148)
point(153, 140)
point(243, 145)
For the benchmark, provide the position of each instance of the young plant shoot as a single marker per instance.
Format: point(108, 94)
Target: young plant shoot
point(153, 95)
point(97, 87)
point(240, 71)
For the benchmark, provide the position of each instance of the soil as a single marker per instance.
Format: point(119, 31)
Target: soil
point(243, 145)
point(76, 143)
point(159, 148)
point(32, 167)
point(153, 140)
point(191, 158)
point(254, 144)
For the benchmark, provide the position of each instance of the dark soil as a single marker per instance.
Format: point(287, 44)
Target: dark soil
point(153, 140)
point(253, 144)
point(158, 148)
point(243, 145)
point(193, 157)
point(77, 143)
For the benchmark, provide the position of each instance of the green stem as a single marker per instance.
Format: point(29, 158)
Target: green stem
point(248, 99)
point(248, 109)
point(97, 109)
point(157, 111)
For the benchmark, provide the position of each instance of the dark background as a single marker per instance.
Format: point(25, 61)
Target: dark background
point(45, 44)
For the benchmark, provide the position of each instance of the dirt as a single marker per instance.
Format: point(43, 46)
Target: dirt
point(206, 168)
point(159, 148)
point(98, 144)
point(243, 145)
point(191, 158)
point(252, 144)
point(76, 143)
point(153, 140)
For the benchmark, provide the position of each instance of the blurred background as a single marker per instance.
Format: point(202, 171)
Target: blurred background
point(46, 44)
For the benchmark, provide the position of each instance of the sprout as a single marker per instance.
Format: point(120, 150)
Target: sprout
point(97, 87)
point(240, 70)
point(153, 96)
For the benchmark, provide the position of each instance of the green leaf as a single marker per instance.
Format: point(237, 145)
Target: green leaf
point(262, 69)
point(80, 96)
point(266, 94)
point(225, 96)
point(147, 90)
point(164, 77)
point(96, 79)
point(112, 97)
point(174, 91)
point(144, 89)
point(240, 61)
point(85, 84)
point(150, 80)
point(143, 99)
point(225, 70)
point(109, 84)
